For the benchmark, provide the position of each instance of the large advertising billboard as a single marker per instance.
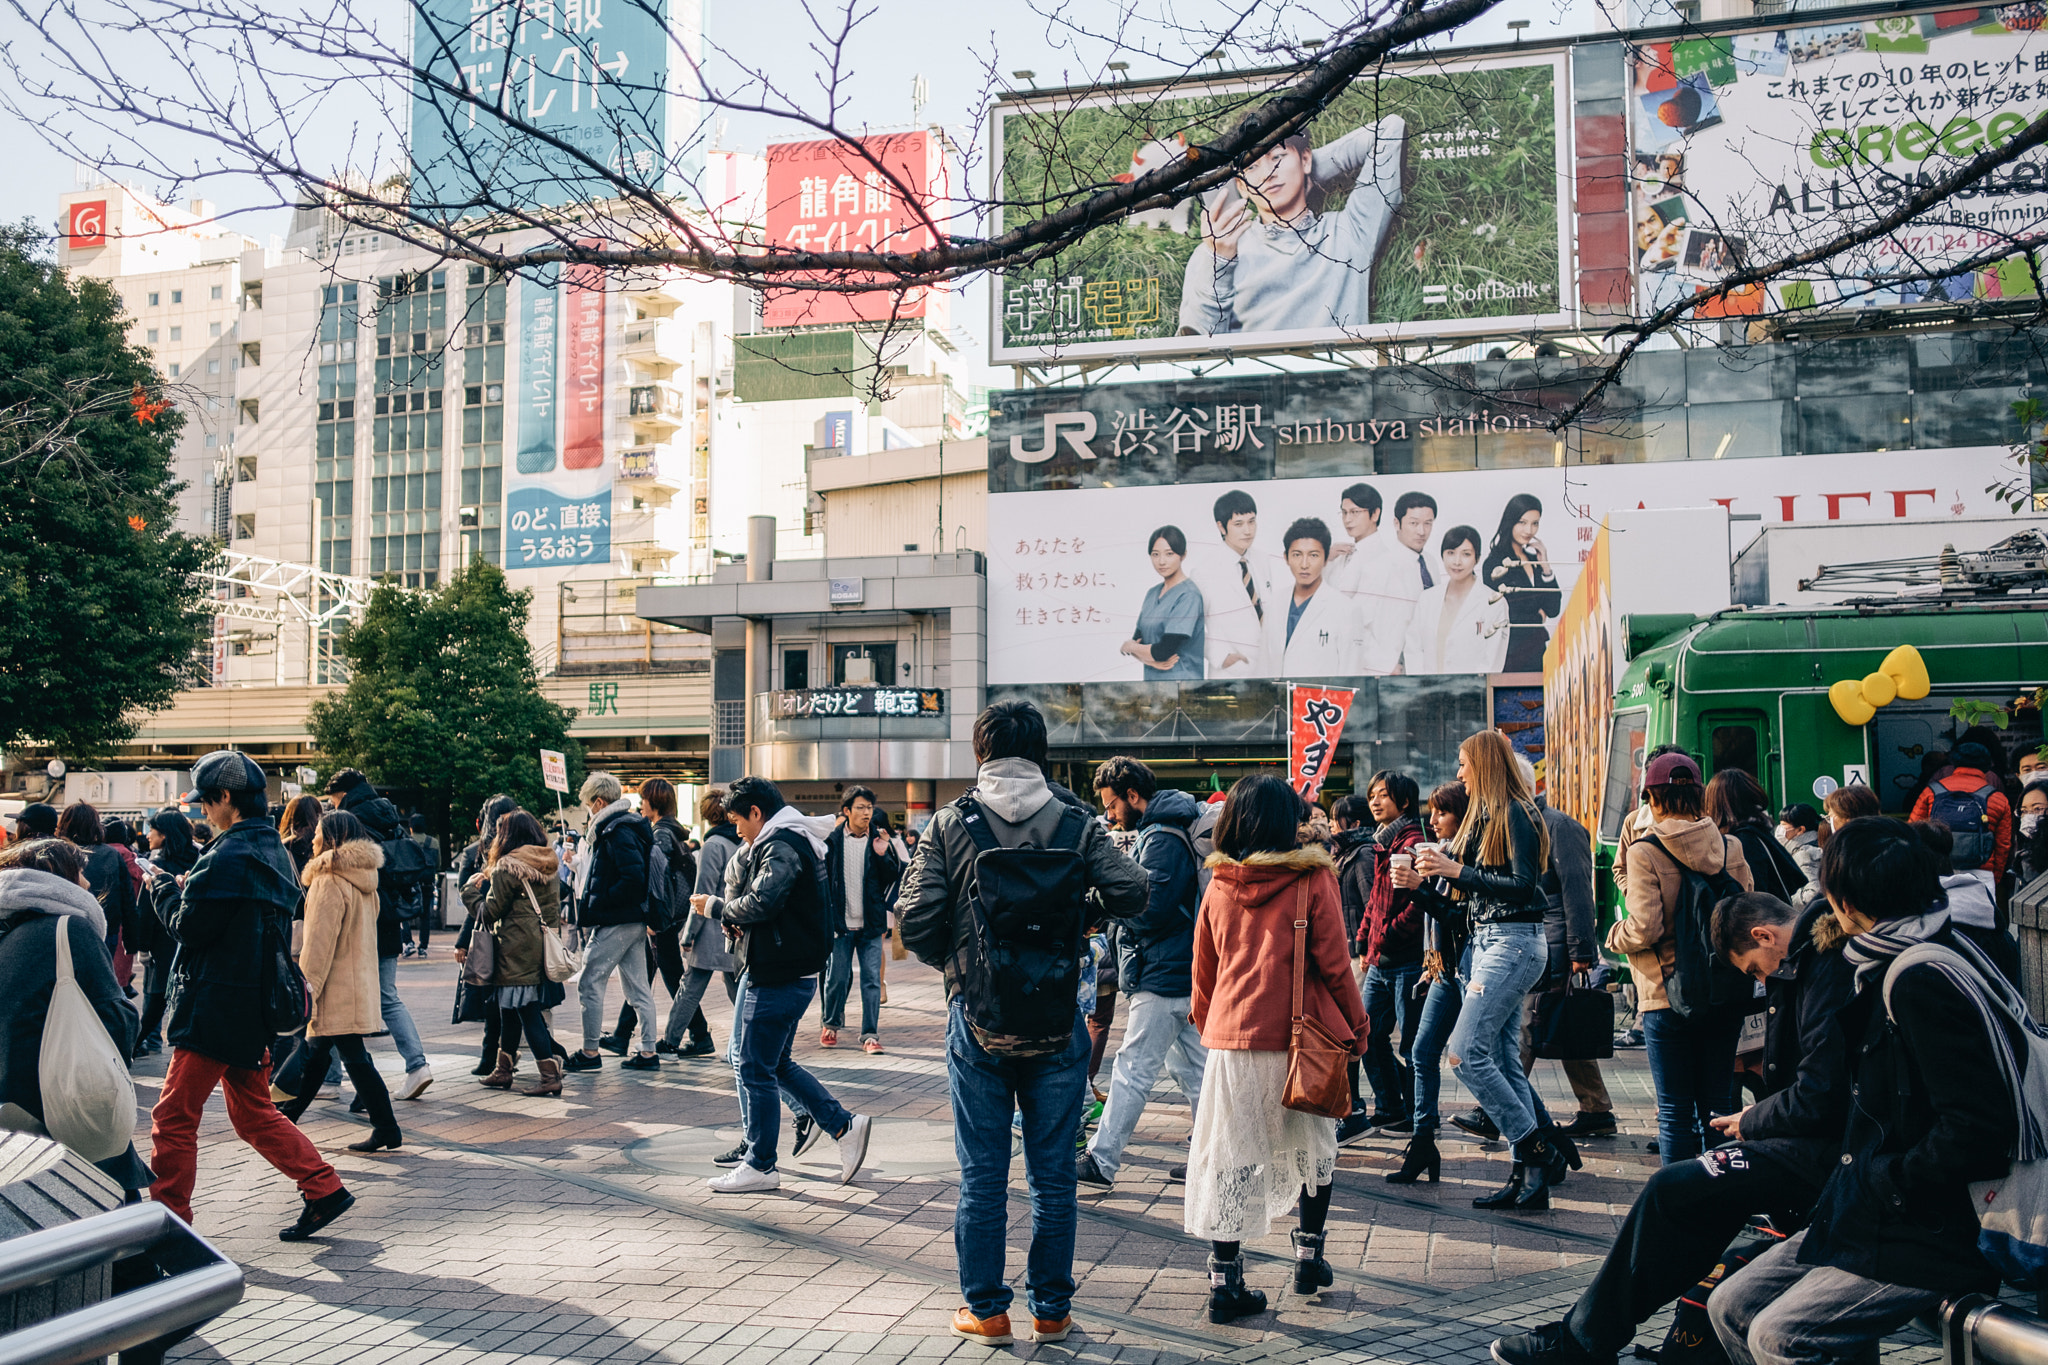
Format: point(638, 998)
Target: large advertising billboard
point(830, 195)
point(603, 81)
point(1149, 533)
point(558, 496)
point(1754, 146)
point(1426, 199)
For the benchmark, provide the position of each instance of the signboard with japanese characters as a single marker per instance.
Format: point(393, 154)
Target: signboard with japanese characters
point(870, 194)
point(858, 701)
point(1315, 725)
point(1424, 201)
point(558, 496)
point(1310, 526)
point(1750, 147)
point(602, 80)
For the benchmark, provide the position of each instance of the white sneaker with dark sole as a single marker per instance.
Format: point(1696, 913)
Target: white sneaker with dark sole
point(744, 1179)
point(853, 1148)
point(415, 1084)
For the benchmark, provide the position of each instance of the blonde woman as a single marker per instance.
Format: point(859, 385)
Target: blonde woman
point(1495, 869)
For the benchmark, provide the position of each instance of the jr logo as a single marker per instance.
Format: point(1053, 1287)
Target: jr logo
point(1075, 428)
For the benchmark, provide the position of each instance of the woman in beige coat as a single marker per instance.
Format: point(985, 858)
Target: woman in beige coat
point(339, 958)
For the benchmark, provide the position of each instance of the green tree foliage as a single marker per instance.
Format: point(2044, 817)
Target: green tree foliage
point(443, 698)
point(100, 621)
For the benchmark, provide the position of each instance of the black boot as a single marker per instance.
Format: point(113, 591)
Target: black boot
point(1506, 1196)
point(1562, 1142)
point(1228, 1297)
point(1546, 1166)
point(1421, 1156)
point(1312, 1273)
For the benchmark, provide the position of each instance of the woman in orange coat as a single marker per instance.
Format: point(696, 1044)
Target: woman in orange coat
point(1251, 1155)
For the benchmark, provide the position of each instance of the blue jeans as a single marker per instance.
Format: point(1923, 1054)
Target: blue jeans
point(986, 1092)
point(1692, 1066)
point(1440, 1010)
point(839, 981)
point(732, 1055)
point(1387, 991)
point(773, 1016)
point(1486, 1045)
point(397, 1018)
point(1157, 1032)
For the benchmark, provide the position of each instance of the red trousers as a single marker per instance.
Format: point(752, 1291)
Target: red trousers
point(174, 1129)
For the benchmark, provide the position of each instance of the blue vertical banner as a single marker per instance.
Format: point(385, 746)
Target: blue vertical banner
point(540, 329)
point(555, 516)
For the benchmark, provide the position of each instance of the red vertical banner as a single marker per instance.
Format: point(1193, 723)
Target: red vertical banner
point(1315, 722)
point(582, 376)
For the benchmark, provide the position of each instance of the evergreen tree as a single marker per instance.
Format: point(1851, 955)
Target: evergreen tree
point(443, 697)
point(100, 620)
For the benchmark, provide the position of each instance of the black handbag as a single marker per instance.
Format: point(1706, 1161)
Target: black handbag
point(1573, 1025)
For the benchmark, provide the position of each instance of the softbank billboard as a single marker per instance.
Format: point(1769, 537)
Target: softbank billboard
point(1314, 526)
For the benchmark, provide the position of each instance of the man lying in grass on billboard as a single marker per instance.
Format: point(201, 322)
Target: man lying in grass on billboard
point(1269, 262)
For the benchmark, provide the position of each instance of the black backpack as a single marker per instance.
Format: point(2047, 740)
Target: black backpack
point(1021, 967)
point(1700, 977)
point(1968, 817)
point(671, 872)
point(404, 880)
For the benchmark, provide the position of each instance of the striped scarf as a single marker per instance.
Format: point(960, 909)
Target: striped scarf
point(1872, 952)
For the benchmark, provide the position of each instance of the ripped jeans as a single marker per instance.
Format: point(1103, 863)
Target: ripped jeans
point(1486, 1045)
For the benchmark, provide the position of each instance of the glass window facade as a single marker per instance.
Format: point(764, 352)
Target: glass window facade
point(481, 495)
point(405, 475)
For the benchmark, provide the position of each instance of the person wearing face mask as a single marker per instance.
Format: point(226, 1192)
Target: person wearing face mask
point(2030, 854)
point(1844, 804)
point(1799, 832)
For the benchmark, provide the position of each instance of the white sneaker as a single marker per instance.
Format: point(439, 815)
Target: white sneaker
point(853, 1148)
point(744, 1179)
point(415, 1083)
point(330, 1092)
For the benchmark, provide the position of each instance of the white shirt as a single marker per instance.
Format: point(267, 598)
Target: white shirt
point(1476, 640)
point(855, 860)
point(1232, 624)
point(1329, 637)
point(1384, 577)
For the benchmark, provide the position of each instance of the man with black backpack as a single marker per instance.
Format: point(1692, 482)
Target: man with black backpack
point(1967, 799)
point(778, 919)
point(619, 863)
point(1155, 962)
point(232, 929)
point(403, 884)
point(997, 897)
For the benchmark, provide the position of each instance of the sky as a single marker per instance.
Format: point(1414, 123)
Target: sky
point(896, 41)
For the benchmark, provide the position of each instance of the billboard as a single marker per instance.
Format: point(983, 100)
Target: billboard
point(1127, 568)
point(827, 196)
point(1750, 147)
point(1425, 200)
point(558, 496)
point(601, 80)
point(88, 224)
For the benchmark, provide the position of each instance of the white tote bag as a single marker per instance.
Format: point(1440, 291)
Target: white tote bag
point(88, 1098)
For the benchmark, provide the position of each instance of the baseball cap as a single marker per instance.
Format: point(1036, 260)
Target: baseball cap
point(38, 820)
point(1666, 769)
point(227, 770)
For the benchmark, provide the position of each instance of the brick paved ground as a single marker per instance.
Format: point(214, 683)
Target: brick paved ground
point(578, 1228)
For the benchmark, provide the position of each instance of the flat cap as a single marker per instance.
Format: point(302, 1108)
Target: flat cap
point(227, 770)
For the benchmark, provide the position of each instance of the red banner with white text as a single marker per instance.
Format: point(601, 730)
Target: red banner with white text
point(1315, 722)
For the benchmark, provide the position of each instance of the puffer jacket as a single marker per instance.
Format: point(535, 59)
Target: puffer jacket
point(339, 952)
point(1156, 947)
point(1805, 850)
point(499, 904)
point(614, 890)
point(1646, 934)
point(778, 905)
point(1805, 1100)
point(1244, 953)
point(1022, 810)
point(1391, 933)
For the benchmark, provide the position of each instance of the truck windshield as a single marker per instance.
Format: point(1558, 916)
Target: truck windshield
point(1626, 741)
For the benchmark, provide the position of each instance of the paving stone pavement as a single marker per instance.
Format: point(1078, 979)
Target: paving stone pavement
point(514, 1229)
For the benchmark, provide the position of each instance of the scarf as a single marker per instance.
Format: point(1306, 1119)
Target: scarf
point(1873, 952)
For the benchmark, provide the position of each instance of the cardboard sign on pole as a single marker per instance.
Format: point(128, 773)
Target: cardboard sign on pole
point(554, 770)
point(1315, 721)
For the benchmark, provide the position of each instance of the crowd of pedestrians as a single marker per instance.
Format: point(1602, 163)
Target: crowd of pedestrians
point(1412, 932)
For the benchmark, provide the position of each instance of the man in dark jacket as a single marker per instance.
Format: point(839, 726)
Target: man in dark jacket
point(1021, 809)
point(777, 917)
point(1155, 962)
point(354, 793)
point(1894, 1229)
point(1784, 1145)
point(611, 915)
point(1390, 943)
point(861, 872)
point(230, 926)
point(1355, 827)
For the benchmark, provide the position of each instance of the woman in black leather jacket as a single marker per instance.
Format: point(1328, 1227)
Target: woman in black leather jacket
point(1496, 870)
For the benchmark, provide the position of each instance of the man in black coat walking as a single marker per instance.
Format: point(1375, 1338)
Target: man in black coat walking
point(231, 927)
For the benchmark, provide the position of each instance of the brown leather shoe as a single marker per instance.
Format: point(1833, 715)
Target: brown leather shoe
point(993, 1331)
point(501, 1079)
point(550, 1082)
point(1052, 1329)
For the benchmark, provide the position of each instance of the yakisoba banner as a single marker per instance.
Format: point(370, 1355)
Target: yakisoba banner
point(1753, 146)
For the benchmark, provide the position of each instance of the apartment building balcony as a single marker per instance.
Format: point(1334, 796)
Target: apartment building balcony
point(658, 471)
point(659, 344)
point(661, 407)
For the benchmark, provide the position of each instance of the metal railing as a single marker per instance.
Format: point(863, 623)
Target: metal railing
point(1979, 1330)
point(207, 1284)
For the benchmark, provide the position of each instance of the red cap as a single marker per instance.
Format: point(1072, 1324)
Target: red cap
point(1214, 797)
point(1666, 769)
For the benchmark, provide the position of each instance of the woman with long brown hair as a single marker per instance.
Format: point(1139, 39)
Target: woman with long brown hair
point(1252, 1157)
point(301, 820)
point(1496, 870)
point(517, 900)
point(1444, 964)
